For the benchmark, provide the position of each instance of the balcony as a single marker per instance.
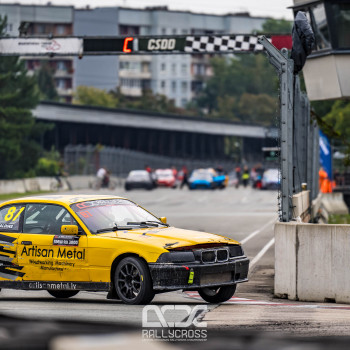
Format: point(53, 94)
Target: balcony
point(131, 91)
point(128, 73)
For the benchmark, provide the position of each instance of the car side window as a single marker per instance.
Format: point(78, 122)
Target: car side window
point(10, 218)
point(46, 219)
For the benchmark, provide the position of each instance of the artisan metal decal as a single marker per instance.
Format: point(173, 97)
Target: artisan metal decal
point(61, 253)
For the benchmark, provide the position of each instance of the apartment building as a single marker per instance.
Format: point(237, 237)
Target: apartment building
point(179, 77)
point(43, 21)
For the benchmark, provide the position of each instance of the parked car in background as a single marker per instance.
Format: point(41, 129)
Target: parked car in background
point(139, 179)
point(270, 179)
point(206, 179)
point(165, 177)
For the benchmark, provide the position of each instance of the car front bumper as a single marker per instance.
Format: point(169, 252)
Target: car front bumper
point(192, 276)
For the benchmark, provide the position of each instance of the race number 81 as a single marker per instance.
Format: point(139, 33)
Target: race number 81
point(11, 212)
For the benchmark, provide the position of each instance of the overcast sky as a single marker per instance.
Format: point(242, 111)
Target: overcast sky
point(272, 8)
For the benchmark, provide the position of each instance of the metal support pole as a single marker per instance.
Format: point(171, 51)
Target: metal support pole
point(284, 68)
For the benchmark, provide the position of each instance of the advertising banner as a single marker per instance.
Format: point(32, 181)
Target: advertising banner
point(41, 46)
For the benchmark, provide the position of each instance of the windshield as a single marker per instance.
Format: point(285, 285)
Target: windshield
point(108, 213)
point(201, 175)
point(138, 173)
point(164, 173)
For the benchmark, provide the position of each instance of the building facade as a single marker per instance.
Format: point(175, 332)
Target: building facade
point(179, 77)
point(43, 21)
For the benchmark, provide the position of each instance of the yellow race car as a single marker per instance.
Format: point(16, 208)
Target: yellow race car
point(65, 244)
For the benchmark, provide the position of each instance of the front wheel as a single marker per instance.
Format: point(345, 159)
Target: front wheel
point(217, 294)
point(133, 281)
point(63, 294)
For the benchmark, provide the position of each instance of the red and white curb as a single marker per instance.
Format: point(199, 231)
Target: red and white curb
point(244, 301)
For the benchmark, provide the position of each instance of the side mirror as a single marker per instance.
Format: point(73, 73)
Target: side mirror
point(69, 229)
point(163, 219)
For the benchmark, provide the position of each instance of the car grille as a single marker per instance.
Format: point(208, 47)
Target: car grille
point(208, 256)
point(214, 255)
point(222, 255)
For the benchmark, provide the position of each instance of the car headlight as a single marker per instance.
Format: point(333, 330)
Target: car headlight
point(236, 250)
point(176, 257)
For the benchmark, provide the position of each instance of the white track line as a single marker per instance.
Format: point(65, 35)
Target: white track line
point(261, 253)
point(245, 240)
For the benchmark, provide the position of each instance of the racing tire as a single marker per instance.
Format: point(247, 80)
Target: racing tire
point(63, 294)
point(217, 294)
point(127, 188)
point(133, 282)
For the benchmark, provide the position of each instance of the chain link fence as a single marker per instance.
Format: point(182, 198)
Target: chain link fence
point(298, 135)
point(86, 160)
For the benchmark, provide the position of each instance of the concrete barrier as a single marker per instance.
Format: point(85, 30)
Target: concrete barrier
point(74, 182)
point(312, 262)
point(12, 186)
point(334, 203)
point(301, 205)
point(79, 182)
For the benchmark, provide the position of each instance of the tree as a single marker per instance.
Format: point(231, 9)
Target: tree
point(336, 124)
point(46, 82)
point(91, 96)
point(237, 84)
point(257, 108)
point(19, 149)
point(277, 26)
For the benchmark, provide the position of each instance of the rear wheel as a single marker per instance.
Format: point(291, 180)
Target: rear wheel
point(133, 281)
point(217, 294)
point(63, 294)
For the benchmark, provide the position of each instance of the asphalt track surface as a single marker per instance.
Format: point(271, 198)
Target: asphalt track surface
point(244, 214)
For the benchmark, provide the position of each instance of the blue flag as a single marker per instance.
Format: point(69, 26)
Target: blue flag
point(326, 155)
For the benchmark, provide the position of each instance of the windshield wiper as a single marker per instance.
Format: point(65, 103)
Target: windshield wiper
point(148, 223)
point(114, 228)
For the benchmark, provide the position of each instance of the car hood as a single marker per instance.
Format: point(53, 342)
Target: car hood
point(169, 237)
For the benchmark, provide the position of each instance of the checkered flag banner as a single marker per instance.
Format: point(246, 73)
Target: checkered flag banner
point(225, 43)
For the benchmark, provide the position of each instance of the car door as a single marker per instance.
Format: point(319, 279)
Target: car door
point(46, 254)
point(10, 226)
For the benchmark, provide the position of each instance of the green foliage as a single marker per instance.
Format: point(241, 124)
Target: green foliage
point(336, 124)
point(339, 219)
point(48, 164)
point(19, 149)
point(277, 26)
point(257, 108)
point(46, 82)
point(241, 89)
point(91, 96)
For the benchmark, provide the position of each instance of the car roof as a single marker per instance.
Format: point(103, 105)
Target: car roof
point(61, 199)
